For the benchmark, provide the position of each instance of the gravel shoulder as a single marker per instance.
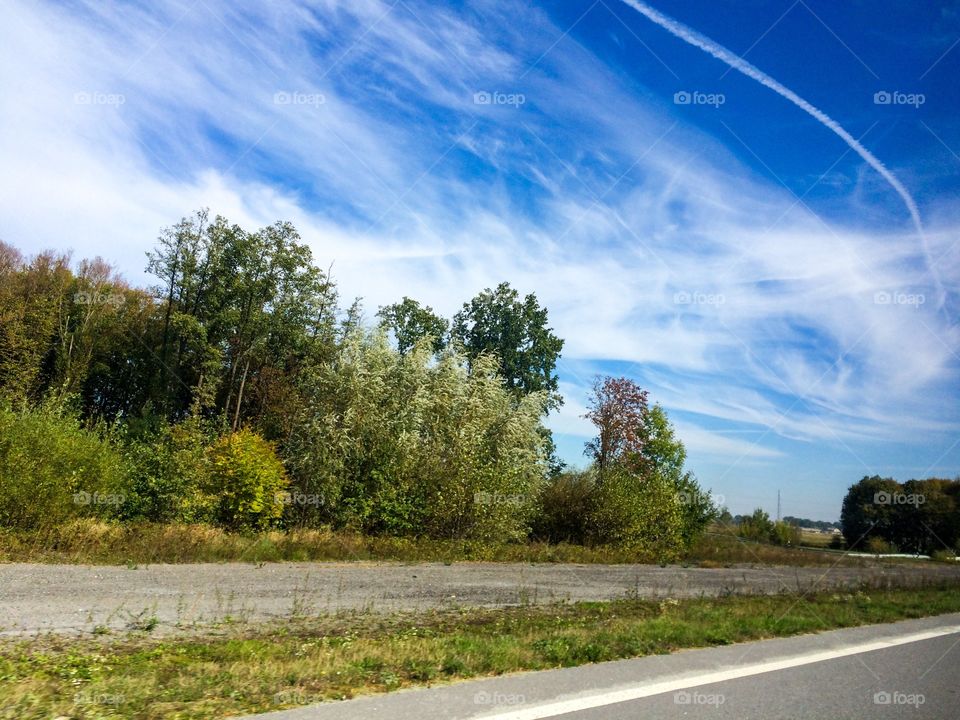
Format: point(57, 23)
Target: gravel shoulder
point(77, 599)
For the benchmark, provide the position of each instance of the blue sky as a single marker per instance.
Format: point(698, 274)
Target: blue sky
point(685, 225)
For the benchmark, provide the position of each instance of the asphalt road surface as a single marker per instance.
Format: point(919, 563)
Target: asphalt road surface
point(903, 670)
point(77, 598)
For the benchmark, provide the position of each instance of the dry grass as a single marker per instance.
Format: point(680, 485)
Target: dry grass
point(95, 542)
point(87, 541)
point(815, 539)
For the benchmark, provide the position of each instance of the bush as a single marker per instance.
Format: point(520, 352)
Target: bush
point(51, 469)
point(639, 512)
point(416, 445)
point(247, 481)
point(564, 508)
point(878, 545)
point(784, 533)
point(758, 527)
point(168, 471)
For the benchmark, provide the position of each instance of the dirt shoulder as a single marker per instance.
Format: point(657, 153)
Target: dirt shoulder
point(78, 598)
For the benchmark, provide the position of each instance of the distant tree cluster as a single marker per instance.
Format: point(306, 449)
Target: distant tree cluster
point(917, 516)
point(807, 523)
point(237, 391)
point(759, 527)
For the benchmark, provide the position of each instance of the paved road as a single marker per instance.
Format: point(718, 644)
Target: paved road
point(76, 598)
point(909, 669)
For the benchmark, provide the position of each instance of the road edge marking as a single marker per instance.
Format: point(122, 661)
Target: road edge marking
point(611, 697)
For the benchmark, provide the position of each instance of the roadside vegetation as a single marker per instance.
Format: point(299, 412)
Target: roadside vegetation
point(237, 669)
point(237, 411)
point(881, 515)
point(237, 395)
point(91, 541)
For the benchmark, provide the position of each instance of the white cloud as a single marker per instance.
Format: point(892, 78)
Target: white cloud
point(409, 188)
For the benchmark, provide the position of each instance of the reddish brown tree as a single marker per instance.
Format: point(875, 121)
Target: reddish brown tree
point(619, 409)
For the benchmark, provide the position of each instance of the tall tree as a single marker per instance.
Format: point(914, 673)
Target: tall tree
point(410, 322)
point(868, 510)
point(619, 409)
point(517, 332)
point(242, 312)
point(34, 296)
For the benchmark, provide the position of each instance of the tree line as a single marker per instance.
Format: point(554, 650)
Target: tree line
point(917, 516)
point(238, 391)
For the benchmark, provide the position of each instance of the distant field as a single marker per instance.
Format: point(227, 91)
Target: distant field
point(815, 539)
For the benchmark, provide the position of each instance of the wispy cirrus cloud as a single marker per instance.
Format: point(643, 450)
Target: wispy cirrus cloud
point(659, 253)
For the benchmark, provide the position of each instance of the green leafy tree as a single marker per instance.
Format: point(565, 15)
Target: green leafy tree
point(32, 297)
point(757, 526)
point(517, 333)
point(640, 512)
point(664, 454)
point(784, 533)
point(410, 322)
point(868, 510)
point(638, 445)
point(405, 444)
point(169, 470)
point(243, 313)
point(565, 507)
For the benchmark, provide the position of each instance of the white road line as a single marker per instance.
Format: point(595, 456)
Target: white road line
point(609, 697)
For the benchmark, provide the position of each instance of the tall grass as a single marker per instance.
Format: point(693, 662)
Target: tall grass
point(94, 541)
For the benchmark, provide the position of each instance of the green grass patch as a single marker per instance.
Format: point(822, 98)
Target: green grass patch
point(240, 669)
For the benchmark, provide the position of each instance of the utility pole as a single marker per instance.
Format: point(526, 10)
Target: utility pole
point(778, 505)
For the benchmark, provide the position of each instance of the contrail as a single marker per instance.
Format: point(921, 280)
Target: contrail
point(736, 62)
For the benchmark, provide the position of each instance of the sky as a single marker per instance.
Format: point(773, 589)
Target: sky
point(790, 297)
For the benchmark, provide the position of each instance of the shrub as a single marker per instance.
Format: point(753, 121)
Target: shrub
point(564, 508)
point(169, 470)
point(784, 533)
point(640, 512)
point(51, 469)
point(878, 545)
point(413, 445)
point(248, 481)
point(758, 526)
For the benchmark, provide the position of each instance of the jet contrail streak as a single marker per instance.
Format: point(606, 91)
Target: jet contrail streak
point(736, 62)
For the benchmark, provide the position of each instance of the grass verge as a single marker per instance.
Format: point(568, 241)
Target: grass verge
point(94, 542)
point(244, 669)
